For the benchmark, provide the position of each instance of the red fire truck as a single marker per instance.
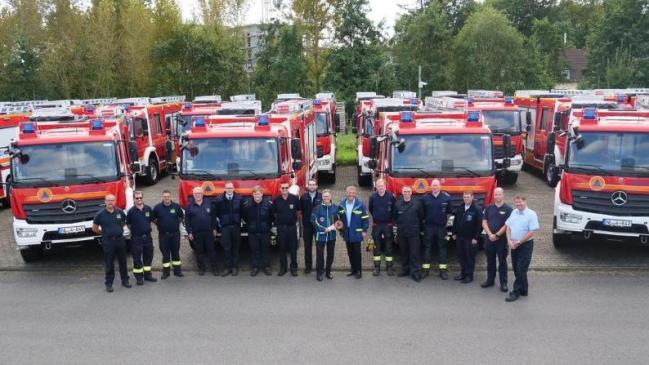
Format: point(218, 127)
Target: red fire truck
point(150, 126)
point(266, 150)
point(326, 134)
point(60, 176)
point(371, 110)
point(501, 116)
point(604, 189)
point(414, 148)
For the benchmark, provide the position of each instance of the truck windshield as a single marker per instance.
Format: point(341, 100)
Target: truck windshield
point(444, 155)
point(65, 164)
point(503, 121)
point(615, 153)
point(393, 109)
point(321, 125)
point(231, 158)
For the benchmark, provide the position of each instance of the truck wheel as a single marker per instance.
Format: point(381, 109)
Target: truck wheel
point(31, 254)
point(550, 176)
point(364, 180)
point(560, 240)
point(510, 178)
point(332, 175)
point(7, 201)
point(153, 172)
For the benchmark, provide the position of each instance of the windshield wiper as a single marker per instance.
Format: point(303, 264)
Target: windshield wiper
point(47, 182)
point(201, 174)
point(94, 178)
point(471, 172)
point(589, 168)
point(426, 173)
point(248, 170)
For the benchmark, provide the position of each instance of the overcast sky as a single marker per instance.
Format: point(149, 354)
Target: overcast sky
point(386, 10)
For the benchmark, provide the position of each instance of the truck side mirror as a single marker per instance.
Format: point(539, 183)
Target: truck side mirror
point(507, 148)
point(296, 149)
point(169, 150)
point(135, 168)
point(528, 117)
point(528, 128)
point(296, 165)
point(132, 150)
point(374, 147)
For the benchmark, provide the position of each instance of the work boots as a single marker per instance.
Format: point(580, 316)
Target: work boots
point(377, 269)
point(389, 269)
point(148, 277)
point(165, 273)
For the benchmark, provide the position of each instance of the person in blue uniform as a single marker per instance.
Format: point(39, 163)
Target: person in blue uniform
point(201, 230)
point(325, 218)
point(286, 208)
point(258, 214)
point(467, 227)
point(437, 208)
point(227, 209)
point(495, 241)
point(381, 207)
point(109, 222)
point(139, 219)
point(310, 199)
point(168, 215)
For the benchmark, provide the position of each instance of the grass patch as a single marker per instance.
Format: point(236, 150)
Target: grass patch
point(346, 154)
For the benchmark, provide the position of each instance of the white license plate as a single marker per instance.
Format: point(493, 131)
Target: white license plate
point(323, 163)
point(72, 230)
point(617, 223)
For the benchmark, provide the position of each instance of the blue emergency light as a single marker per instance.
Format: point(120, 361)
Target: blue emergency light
point(28, 127)
point(509, 100)
point(187, 106)
point(620, 98)
point(317, 102)
point(96, 124)
point(89, 108)
point(469, 99)
point(262, 120)
point(590, 113)
point(414, 101)
point(199, 122)
point(473, 116)
point(406, 117)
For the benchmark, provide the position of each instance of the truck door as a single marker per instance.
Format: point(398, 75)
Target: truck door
point(542, 128)
point(158, 136)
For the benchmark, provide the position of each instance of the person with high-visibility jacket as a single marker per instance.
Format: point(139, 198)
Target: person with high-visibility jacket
point(325, 219)
point(356, 221)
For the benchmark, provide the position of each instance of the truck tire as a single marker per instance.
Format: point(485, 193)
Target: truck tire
point(6, 202)
point(332, 175)
point(153, 172)
point(510, 178)
point(560, 240)
point(549, 176)
point(31, 254)
point(364, 180)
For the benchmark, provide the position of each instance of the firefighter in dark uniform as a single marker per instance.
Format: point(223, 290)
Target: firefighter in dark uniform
point(408, 214)
point(437, 208)
point(227, 210)
point(258, 214)
point(201, 230)
point(310, 199)
point(139, 219)
point(286, 207)
point(168, 215)
point(109, 222)
point(381, 207)
point(495, 242)
point(467, 227)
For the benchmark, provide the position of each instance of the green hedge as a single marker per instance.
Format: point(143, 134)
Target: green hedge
point(346, 149)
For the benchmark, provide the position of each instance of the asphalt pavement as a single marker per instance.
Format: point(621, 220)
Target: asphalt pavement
point(569, 318)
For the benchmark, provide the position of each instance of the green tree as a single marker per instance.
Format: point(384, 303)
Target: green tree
point(619, 44)
point(523, 12)
point(359, 61)
point(547, 40)
point(281, 65)
point(422, 38)
point(103, 49)
point(489, 53)
point(315, 18)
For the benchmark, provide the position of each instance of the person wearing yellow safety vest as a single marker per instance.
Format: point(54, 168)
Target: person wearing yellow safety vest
point(355, 224)
point(381, 207)
point(168, 215)
point(325, 220)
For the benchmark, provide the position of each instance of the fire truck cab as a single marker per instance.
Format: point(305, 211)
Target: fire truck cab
point(605, 175)
point(372, 110)
point(457, 148)
point(61, 174)
point(326, 135)
point(265, 150)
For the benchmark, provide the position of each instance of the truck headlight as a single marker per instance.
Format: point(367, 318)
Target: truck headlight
point(515, 162)
point(26, 232)
point(570, 218)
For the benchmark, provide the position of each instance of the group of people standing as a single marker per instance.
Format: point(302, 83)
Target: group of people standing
point(421, 225)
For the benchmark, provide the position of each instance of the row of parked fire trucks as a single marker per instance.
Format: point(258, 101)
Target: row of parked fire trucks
point(63, 157)
point(592, 145)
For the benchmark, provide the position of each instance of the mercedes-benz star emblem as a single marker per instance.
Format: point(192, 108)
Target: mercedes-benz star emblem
point(69, 206)
point(619, 198)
